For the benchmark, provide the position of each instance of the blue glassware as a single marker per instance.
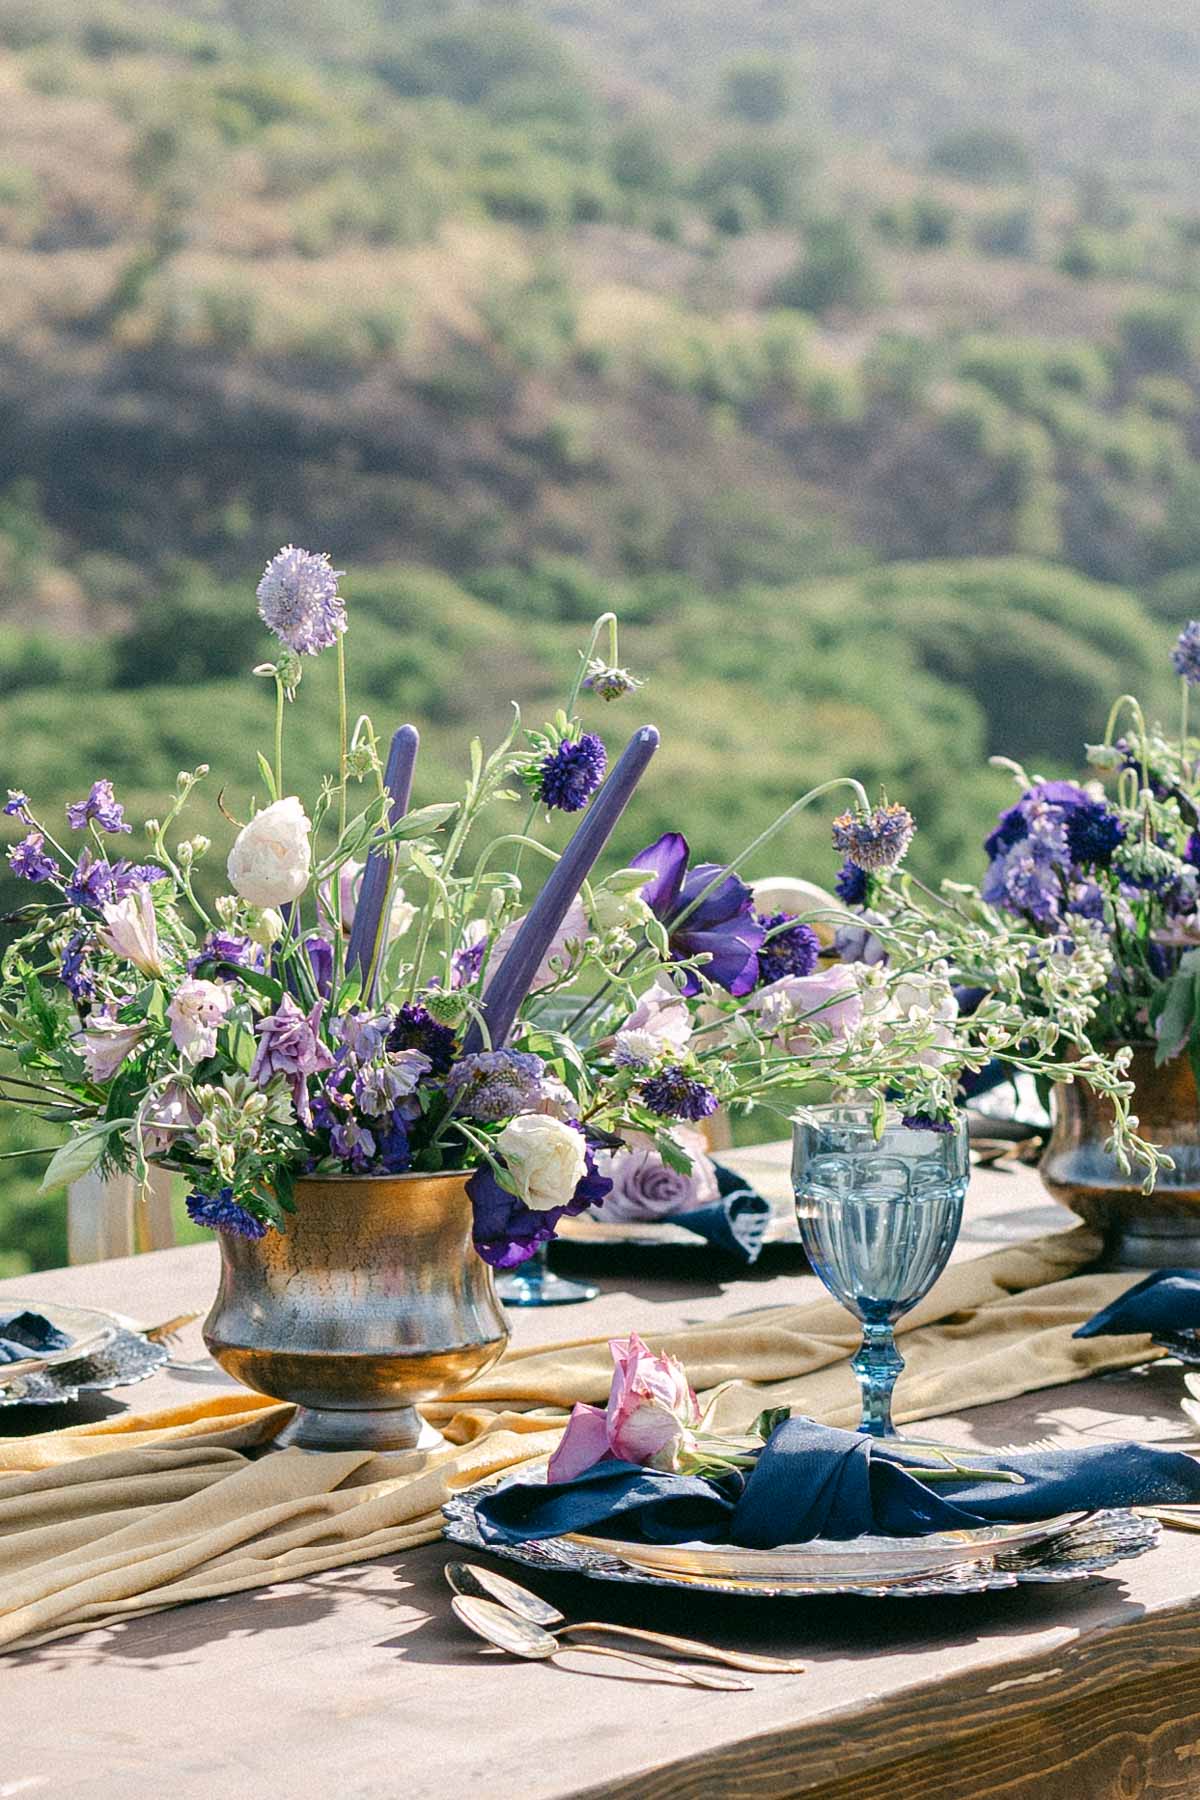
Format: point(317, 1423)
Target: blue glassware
point(533, 1284)
point(878, 1217)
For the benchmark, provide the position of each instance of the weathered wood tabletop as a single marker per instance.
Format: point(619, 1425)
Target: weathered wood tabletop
point(359, 1683)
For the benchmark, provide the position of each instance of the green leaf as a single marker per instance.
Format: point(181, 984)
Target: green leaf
point(261, 984)
point(268, 775)
point(426, 818)
point(769, 1421)
point(79, 1155)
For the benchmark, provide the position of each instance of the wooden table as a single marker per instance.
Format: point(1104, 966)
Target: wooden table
point(359, 1685)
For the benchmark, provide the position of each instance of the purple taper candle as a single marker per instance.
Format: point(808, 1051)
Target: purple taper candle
point(513, 979)
point(376, 878)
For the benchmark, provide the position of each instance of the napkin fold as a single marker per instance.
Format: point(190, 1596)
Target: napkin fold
point(814, 1481)
point(735, 1224)
point(25, 1334)
point(1168, 1300)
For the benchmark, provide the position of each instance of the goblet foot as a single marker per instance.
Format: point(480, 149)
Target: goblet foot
point(361, 1428)
point(540, 1287)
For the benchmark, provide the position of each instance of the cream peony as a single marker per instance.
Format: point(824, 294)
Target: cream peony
point(271, 859)
point(545, 1158)
point(350, 875)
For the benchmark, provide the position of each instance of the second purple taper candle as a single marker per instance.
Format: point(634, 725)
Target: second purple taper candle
point(376, 877)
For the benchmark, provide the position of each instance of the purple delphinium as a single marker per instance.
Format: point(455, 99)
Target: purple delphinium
point(795, 951)
point(1186, 655)
point(927, 1122)
point(391, 1139)
point(227, 947)
point(30, 860)
point(75, 972)
point(298, 600)
point(506, 1232)
point(18, 805)
point(466, 963)
point(221, 1212)
point(722, 927)
point(674, 1094)
point(567, 776)
point(496, 1084)
point(289, 1045)
point(416, 1029)
point(101, 805)
point(874, 840)
point(95, 881)
point(852, 885)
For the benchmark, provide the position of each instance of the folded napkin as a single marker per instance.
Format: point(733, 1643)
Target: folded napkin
point(813, 1481)
point(26, 1334)
point(735, 1224)
point(1167, 1301)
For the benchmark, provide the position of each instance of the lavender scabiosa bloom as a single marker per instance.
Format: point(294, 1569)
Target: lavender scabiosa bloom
point(298, 600)
point(221, 1212)
point(415, 1028)
point(101, 805)
point(381, 1086)
point(721, 926)
point(18, 804)
point(75, 972)
point(496, 1084)
point(795, 951)
point(289, 1045)
point(1186, 655)
point(30, 860)
point(610, 684)
point(674, 1094)
point(566, 777)
point(874, 840)
point(852, 885)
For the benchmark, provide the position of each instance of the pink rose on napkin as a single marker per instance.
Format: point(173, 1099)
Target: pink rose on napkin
point(650, 1419)
point(644, 1187)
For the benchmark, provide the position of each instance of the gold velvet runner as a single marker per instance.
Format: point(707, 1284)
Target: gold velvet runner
point(100, 1522)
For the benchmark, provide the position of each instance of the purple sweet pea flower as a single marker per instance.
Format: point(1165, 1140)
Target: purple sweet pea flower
point(101, 805)
point(506, 1232)
point(29, 859)
point(18, 805)
point(289, 1045)
point(381, 1086)
point(723, 926)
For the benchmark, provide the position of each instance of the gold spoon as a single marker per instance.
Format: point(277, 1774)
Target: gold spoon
point(521, 1637)
point(484, 1584)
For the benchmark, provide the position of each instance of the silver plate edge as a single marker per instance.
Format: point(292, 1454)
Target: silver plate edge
point(124, 1361)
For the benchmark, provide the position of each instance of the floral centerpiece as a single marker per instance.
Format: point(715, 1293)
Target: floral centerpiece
point(373, 996)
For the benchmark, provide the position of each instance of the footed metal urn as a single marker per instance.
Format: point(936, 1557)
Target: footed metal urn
point(1141, 1231)
point(371, 1301)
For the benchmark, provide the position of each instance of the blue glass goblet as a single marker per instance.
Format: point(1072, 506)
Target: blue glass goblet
point(878, 1217)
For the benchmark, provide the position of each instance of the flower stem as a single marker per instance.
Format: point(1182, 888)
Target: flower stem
point(279, 737)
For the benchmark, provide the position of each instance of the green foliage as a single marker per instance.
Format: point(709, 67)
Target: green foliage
point(982, 153)
point(756, 90)
point(1159, 336)
point(834, 272)
point(773, 170)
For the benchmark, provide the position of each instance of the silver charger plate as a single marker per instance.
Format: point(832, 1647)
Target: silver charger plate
point(125, 1358)
point(1082, 1546)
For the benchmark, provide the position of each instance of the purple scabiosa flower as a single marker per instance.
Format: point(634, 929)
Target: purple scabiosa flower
point(507, 1232)
point(566, 777)
point(496, 1084)
point(75, 972)
point(414, 1028)
point(795, 951)
point(226, 947)
point(289, 1045)
point(101, 805)
point(874, 840)
point(610, 684)
point(298, 600)
point(381, 1086)
point(722, 926)
point(674, 1094)
point(1185, 657)
point(353, 1145)
point(30, 860)
point(852, 885)
point(18, 804)
point(221, 1212)
point(1093, 833)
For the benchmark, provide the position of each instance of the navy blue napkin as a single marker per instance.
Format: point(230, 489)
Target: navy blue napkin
point(736, 1223)
point(25, 1334)
point(1167, 1301)
point(814, 1481)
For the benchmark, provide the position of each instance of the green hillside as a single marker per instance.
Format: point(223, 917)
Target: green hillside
point(852, 353)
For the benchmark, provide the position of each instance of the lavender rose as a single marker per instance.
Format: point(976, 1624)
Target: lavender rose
point(644, 1187)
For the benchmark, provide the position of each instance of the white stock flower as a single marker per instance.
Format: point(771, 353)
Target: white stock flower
point(271, 859)
point(546, 1159)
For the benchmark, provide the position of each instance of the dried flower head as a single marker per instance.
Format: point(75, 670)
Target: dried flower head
point(610, 684)
point(874, 840)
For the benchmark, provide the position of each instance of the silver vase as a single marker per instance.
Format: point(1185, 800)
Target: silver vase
point(371, 1301)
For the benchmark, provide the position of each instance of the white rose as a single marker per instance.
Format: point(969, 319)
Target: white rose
point(546, 1159)
point(271, 860)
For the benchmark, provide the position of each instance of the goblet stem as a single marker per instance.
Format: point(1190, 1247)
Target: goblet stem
point(533, 1284)
point(876, 1365)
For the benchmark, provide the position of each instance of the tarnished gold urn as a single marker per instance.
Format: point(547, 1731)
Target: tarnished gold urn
point(372, 1301)
point(1141, 1231)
